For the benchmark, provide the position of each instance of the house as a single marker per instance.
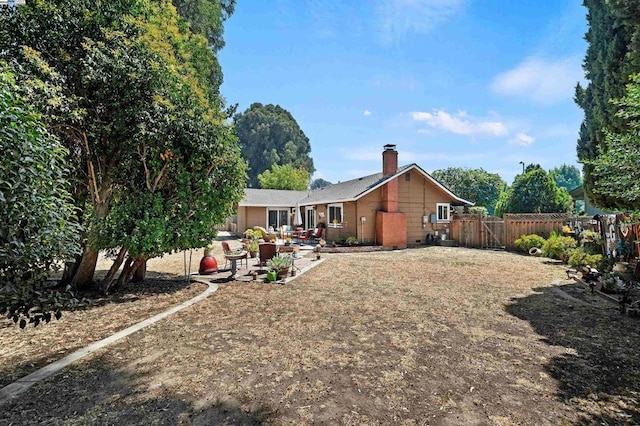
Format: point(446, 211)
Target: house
point(578, 194)
point(397, 207)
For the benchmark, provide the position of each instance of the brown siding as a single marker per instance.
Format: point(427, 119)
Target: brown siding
point(254, 216)
point(348, 226)
point(368, 206)
point(418, 197)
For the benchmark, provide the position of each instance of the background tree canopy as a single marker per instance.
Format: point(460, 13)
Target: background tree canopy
point(270, 135)
point(284, 177)
point(320, 183)
point(566, 176)
point(613, 54)
point(534, 191)
point(476, 185)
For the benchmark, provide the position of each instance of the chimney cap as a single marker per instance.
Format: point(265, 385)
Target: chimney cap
point(389, 147)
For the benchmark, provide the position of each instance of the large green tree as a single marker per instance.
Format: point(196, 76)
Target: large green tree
point(615, 172)
point(566, 176)
point(39, 228)
point(534, 191)
point(476, 185)
point(270, 135)
point(284, 177)
point(613, 54)
point(142, 118)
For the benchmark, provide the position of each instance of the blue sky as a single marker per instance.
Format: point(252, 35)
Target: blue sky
point(452, 83)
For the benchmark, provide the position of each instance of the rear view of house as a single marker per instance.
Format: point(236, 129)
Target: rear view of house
point(398, 207)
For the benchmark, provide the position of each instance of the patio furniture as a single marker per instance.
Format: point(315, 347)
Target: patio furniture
point(312, 236)
point(234, 255)
point(267, 252)
point(299, 232)
point(265, 235)
point(306, 237)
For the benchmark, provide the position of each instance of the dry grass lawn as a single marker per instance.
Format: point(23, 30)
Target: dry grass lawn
point(435, 335)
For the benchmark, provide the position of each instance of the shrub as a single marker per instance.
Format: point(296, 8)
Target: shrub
point(527, 242)
point(580, 257)
point(479, 210)
point(352, 240)
point(558, 247)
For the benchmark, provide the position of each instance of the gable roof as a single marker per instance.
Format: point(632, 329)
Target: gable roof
point(356, 188)
point(350, 190)
point(271, 197)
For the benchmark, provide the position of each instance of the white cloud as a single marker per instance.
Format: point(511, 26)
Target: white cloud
point(461, 123)
point(541, 80)
point(366, 112)
point(397, 18)
point(522, 139)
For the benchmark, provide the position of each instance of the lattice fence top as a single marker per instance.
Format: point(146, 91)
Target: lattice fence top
point(536, 217)
point(464, 217)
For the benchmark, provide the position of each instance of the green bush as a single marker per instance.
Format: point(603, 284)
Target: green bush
point(558, 247)
point(527, 242)
point(580, 257)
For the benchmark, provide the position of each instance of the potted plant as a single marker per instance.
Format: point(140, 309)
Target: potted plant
point(252, 236)
point(612, 283)
point(208, 250)
point(281, 265)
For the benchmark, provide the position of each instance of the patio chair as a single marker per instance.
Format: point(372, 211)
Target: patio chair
point(267, 252)
point(265, 235)
point(299, 232)
point(304, 239)
point(316, 235)
point(226, 248)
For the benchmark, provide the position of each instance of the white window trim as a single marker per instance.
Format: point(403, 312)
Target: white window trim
point(443, 220)
point(288, 209)
point(331, 224)
point(307, 210)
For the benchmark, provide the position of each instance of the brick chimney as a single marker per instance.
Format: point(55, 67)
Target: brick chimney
point(390, 189)
point(389, 160)
point(391, 223)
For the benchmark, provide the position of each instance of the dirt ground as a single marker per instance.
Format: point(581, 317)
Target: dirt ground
point(436, 335)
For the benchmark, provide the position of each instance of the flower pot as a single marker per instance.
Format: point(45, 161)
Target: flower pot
point(282, 273)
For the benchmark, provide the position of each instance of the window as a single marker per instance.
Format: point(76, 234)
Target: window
point(335, 214)
point(278, 217)
point(310, 217)
point(443, 212)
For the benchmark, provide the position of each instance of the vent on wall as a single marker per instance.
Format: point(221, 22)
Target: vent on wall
point(407, 177)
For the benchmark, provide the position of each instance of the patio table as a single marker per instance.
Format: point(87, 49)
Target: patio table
point(233, 258)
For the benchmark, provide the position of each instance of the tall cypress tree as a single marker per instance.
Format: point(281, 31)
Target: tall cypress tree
point(612, 56)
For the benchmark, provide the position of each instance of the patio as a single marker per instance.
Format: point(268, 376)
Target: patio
point(252, 270)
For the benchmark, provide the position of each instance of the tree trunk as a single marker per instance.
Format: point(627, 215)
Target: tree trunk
point(106, 283)
point(140, 272)
point(69, 271)
point(130, 268)
point(125, 271)
point(86, 268)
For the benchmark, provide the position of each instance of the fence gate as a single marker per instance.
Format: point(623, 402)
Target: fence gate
point(472, 230)
point(492, 232)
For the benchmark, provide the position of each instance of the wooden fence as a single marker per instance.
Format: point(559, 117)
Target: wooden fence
point(470, 230)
